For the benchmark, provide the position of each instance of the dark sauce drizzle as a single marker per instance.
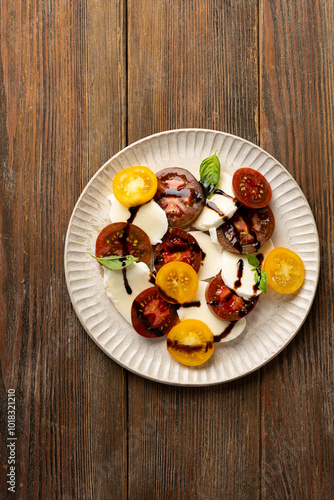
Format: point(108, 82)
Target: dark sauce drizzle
point(195, 303)
point(133, 212)
point(256, 286)
point(219, 191)
point(214, 207)
point(259, 257)
point(228, 329)
point(240, 266)
point(126, 283)
point(124, 251)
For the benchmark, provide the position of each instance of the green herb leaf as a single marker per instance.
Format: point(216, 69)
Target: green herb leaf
point(252, 261)
point(209, 171)
point(115, 262)
point(263, 281)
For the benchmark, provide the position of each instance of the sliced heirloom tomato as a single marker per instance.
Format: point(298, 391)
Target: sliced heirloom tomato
point(134, 186)
point(178, 245)
point(180, 195)
point(225, 303)
point(251, 188)
point(123, 238)
point(191, 342)
point(285, 270)
point(151, 315)
point(247, 230)
point(177, 282)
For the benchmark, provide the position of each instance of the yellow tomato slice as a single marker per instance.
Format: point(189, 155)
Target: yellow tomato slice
point(285, 270)
point(135, 186)
point(190, 342)
point(177, 282)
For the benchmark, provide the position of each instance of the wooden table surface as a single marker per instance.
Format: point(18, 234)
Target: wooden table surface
point(79, 80)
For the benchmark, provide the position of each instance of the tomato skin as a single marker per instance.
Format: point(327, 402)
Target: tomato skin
point(190, 342)
point(251, 188)
point(247, 230)
point(177, 282)
point(225, 303)
point(285, 270)
point(151, 315)
point(123, 238)
point(178, 245)
point(134, 186)
point(180, 195)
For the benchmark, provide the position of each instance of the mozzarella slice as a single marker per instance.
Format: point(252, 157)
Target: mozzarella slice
point(229, 271)
point(203, 313)
point(213, 260)
point(150, 218)
point(138, 277)
point(222, 207)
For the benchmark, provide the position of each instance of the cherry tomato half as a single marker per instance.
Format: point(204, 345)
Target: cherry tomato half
point(178, 245)
point(285, 270)
point(177, 282)
point(191, 342)
point(251, 188)
point(151, 315)
point(122, 238)
point(247, 230)
point(226, 303)
point(134, 186)
point(180, 195)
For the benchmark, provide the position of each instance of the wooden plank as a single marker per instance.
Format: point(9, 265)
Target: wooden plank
point(297, 128)
point(193, 64)
point(60, 62)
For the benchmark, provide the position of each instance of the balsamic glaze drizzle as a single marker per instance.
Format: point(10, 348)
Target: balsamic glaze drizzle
point(126, 283)
point(214, 207)
point(195, 303)
point(240, 266)
point(133, 212)
point(228, 329)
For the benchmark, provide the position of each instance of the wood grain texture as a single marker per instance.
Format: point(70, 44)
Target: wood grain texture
point(53, 138)
point(78, 81)
point(193, 64)
point(297, 128)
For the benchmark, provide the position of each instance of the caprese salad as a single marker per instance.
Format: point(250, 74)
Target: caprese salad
point(187, 258)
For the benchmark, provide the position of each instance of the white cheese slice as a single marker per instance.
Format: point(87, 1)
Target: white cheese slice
point(138, 277)
point(209, 218)
point(150, 218)
point(213, 260)
point(203, 313)
point(229, 271)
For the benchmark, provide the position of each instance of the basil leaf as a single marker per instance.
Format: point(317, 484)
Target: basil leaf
point(209, 171)
point(115, 262)
point(263, 282)
point(252, 261)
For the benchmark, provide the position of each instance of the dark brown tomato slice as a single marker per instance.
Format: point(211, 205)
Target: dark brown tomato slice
point(247, 230)
point(151, 315)
point(123, 238)
point(226, 303)
point(178, 245)
point(180, 195)
point(251, 188)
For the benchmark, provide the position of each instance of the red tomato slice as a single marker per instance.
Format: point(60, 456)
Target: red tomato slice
point(180, 195)
point(251, 188)
point(151, 315)
point(178, 245)
point(247, 230)
point(123, 238)
point(225, 303)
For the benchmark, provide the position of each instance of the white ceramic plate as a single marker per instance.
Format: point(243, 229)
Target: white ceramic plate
point(272, 324)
